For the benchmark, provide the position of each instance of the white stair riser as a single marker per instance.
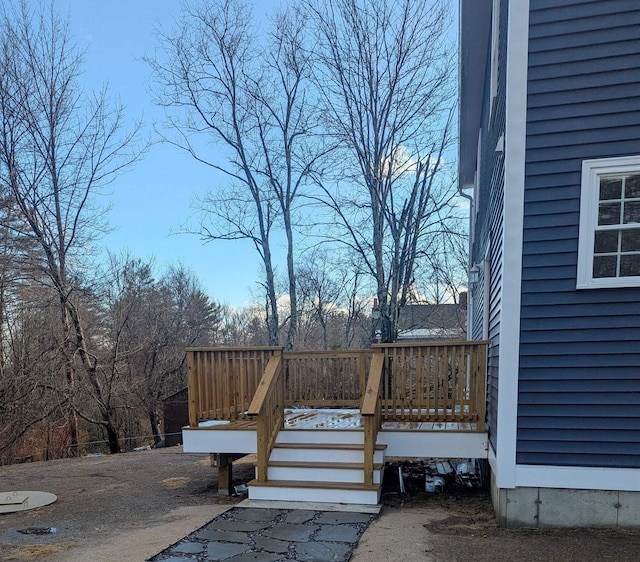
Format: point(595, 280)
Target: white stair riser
point(319, 436)
point(323, 455)
point(308, 474)
point(365, 497)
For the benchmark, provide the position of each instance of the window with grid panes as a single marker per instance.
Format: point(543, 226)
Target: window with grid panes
point(609, 245)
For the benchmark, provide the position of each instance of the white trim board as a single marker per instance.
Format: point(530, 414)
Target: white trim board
point(514, 178)
point(311, 506)
point(578, 478)
point(442, 444)
point(219, 441)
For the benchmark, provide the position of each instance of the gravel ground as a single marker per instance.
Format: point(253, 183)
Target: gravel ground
point(131, 506)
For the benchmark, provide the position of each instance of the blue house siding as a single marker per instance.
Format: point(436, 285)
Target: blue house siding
point(579, 379)
point(488, 236)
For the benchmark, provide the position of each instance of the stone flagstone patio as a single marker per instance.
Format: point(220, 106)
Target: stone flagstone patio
point(254, 534)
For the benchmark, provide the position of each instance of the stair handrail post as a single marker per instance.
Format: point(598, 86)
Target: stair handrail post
point(481, 384)
point(267, 407)
point(370, 412)
point(364, 357)
point(192, 394)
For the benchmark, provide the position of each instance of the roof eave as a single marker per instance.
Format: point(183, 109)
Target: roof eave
point(474, 30)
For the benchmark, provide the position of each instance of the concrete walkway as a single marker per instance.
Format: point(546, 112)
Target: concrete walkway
point(275, 532)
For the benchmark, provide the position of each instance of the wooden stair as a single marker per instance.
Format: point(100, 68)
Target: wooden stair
point(325, 466)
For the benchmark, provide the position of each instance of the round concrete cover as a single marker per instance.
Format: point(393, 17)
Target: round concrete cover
point(11, 502)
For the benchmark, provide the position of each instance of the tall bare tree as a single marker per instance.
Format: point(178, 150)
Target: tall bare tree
point(250, 98)
point(151, 321)
point(57, 147)
point(385, 75)
point(333, 313)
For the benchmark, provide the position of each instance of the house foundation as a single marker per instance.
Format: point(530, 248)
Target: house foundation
point(563, 507)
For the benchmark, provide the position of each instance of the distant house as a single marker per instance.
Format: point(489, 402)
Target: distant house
point(550, 151)
point(427, 322)
point(432, 322)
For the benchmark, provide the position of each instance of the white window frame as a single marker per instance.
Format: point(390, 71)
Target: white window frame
point(592, 170)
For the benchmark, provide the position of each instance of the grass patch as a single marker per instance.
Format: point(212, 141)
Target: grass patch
point(175, 482)
point(30, 551)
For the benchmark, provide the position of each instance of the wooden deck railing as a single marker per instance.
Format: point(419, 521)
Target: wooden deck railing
point(222, 381)
point(326, 378)
point(421, 381)
point(439, 382)
point(268, 408)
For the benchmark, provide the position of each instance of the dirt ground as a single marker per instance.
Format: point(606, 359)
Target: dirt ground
point(461, 528)
point(131, 506)
point(119, 507)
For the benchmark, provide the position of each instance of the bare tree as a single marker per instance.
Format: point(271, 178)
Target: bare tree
point(250, 98)
point(444, 265)
point(332, 313)
point(357, 324)
point(319, 293)
point(151, 321)
point(57, 147)
point(26, 367)
point(243, 327)
point(384, 71)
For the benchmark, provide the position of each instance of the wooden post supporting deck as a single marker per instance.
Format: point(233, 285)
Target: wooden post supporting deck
point(224, 462)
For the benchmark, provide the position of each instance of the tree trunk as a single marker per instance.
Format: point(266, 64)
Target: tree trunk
point(112, 438)
point(155, 426)
point(273, 325)
point(70, 413)
point(293, 301)
point(73, 432)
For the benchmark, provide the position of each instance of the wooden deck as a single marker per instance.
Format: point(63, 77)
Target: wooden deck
point(336, 419)
point(400, 438)
point(408, 399)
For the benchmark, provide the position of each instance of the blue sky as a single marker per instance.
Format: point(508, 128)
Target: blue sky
point(152, 200)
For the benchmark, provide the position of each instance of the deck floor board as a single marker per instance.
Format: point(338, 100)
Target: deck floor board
point(338, 419)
